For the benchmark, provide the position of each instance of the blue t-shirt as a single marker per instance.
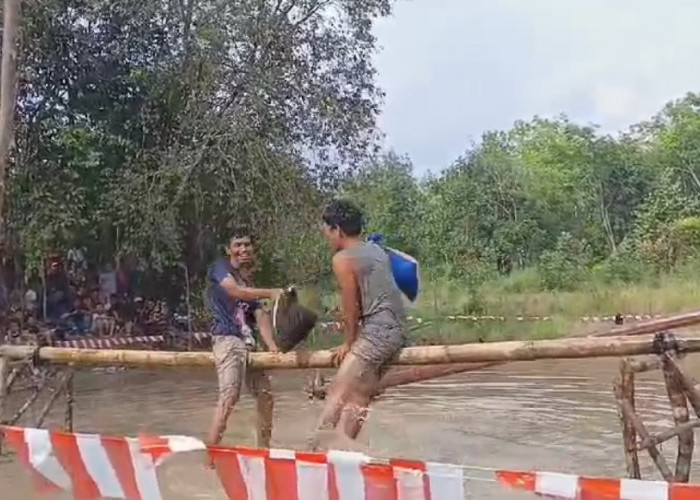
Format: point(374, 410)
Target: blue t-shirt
point(222, 306)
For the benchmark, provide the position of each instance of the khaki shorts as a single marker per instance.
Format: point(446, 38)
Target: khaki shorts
point(230, 359)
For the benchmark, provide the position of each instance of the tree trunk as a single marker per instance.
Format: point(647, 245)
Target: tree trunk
point(8, 89)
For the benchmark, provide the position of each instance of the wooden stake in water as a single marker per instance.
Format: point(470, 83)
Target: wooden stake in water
point(4, 377)
point(4, 374)
point(629, 435)
point(69, 391)
point(679, 406)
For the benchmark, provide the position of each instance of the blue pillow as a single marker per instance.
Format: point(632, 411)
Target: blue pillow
point(404, 268)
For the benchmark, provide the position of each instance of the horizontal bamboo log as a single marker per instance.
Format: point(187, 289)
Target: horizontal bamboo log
point(655, 325)
point(402, 376)
point(424, 355)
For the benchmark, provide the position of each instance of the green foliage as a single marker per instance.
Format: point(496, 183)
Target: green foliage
point(564, 266)
point(153, 128)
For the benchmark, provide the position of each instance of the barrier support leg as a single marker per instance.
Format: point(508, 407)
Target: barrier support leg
point(70, 397)
point(629, 435)
point(681, 415)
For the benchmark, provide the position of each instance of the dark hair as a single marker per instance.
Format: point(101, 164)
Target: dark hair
point(345, 215)
point(240, 232)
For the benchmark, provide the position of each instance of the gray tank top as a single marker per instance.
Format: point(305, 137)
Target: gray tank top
point(381, 299)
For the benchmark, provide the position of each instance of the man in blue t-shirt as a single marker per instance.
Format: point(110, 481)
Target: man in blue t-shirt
point(234, 306)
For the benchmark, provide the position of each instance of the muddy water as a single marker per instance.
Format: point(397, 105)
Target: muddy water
point(549, 415)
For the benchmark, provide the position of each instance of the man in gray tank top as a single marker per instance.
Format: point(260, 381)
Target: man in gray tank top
point(373, 319)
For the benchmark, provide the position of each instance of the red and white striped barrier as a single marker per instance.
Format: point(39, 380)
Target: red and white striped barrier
point(92, 467)
point(584, 319)
point(570, 487)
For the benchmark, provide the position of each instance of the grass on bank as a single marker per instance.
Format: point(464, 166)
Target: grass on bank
point(521, 294)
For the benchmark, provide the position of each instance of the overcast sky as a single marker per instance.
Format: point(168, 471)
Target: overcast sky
point(452, 69)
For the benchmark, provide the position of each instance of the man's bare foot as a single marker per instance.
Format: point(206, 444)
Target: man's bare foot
point(336, 440)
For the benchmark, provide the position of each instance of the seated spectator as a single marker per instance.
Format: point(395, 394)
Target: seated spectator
point(58, 292)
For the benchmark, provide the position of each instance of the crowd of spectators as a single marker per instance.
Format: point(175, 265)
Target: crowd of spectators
point(73, 299)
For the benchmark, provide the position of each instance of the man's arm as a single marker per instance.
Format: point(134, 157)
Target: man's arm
point(349, 295)
point(264, 322)
point(222, 275)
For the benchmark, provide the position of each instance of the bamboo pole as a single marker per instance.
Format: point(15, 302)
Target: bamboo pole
point(60, 388)
point(4, 372)
point(629, 435)
point(27, 404)
point(692, 388)
point(403, 376)
point(664, 436)
point(70, 396)
point(655, 325)
point(679, 406)
point(424, 355)
point(629, 413)
point(4, 382)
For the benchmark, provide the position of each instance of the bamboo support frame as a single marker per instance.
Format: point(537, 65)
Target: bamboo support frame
point(664, 436)
point(692, 388)
point(679, 406)
point(629, 415)
point(60, 388)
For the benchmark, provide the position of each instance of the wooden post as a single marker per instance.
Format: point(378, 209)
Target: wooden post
point(4, 372)
point(70, 396)
point(629, 414)
point(629, 435)
point(679, 406)
point(692, 388)
point(4, 383)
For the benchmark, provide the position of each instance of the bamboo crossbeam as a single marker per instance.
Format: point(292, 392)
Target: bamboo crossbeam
point(424, 355)
point(664, 436)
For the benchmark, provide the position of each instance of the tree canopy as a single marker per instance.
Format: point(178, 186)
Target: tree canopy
point(151, 128)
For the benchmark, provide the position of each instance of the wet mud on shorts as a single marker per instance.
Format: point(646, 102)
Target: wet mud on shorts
point(377, 345)
point(230, 358)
